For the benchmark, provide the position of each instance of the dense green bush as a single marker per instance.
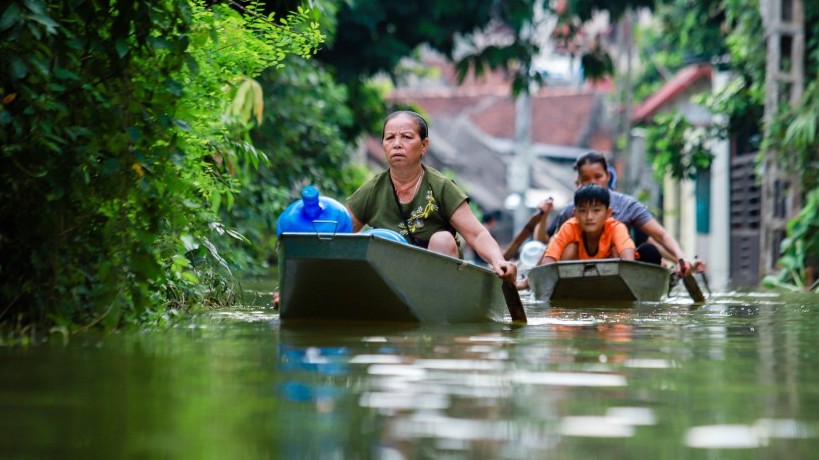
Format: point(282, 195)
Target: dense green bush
point(118, 134)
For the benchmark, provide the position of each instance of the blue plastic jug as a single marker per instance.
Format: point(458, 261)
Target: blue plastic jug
point(314, 214)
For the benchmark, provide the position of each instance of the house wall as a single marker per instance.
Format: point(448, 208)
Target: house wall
point(717, 244)
point(680, 213)
point(679, 200)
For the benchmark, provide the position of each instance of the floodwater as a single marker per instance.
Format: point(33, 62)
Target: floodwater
point(736, 378)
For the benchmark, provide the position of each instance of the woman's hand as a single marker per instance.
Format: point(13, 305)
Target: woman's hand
point(506, 270)
point(689, 268)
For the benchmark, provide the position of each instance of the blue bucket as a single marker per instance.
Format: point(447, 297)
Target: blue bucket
point(386, 233)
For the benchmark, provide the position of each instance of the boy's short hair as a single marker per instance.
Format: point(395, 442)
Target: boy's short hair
point(591, 194)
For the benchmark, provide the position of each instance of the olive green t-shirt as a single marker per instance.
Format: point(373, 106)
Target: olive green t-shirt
point(438, 197)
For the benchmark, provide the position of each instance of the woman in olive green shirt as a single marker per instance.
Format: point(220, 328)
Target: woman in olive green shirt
point(426, 207)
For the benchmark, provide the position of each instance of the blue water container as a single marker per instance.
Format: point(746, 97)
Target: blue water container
point(387, 234)
point(314, 214)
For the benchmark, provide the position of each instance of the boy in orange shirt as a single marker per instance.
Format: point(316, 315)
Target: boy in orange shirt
point(592, 233)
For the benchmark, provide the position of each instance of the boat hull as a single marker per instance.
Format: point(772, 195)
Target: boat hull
point(599, 280)
point(364, 277)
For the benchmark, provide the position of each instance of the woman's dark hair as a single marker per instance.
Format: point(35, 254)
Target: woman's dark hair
point(591, 194)
point(423, 128)
point(589, 158)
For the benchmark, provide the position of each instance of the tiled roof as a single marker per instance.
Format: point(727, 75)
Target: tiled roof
point(559, 117)
point(671, 89)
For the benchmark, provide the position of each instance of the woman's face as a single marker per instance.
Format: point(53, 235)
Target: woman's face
point(402, 142)
point(593, 173)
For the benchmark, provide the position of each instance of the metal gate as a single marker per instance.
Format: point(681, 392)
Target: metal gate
point(745, 217)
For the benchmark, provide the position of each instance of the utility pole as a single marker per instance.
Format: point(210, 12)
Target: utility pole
point(784, 25)
point(626, 25)
point(519, 176)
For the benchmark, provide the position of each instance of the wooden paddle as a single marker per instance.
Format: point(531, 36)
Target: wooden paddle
point(513, 302)
point(524, 233)
point(510, 292)
point(692, 287)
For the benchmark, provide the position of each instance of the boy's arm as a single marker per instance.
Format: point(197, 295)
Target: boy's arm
point(546, 260)
point(623, 243)
point(557, 245)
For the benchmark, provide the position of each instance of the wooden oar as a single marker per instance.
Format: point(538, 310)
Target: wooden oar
point(524, 233)
point(510, 292)
point(513, 302)
point(692, 287)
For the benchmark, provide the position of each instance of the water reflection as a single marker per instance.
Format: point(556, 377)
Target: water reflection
point(758, 434)
point(730, 379)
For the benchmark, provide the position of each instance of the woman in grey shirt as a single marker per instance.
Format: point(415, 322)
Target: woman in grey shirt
point(592, 168)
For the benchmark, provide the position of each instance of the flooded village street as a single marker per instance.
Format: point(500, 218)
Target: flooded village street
point(734, 378)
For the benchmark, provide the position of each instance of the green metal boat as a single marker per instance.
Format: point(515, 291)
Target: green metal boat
point(609, 280)
point(366, 277)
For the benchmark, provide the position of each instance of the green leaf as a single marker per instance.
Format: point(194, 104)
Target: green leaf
point(174, 87)
point(19, 69)
point(192, 64)
point(111, 166)
point(121, 45)
point(215, 254)
point(65, 74)
point(159, 43)
point(188, 242)
point(50, 25)
point(215, 201)
point(180, 260)
point(35, 6)
point(10, 17)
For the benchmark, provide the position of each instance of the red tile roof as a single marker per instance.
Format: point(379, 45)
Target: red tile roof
point(560, 116)
point(678, 83)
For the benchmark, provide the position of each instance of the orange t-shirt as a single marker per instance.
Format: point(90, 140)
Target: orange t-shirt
point(615, 234)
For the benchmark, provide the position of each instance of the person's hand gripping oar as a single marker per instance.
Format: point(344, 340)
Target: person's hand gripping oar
point(691, 283)
point(508, 272)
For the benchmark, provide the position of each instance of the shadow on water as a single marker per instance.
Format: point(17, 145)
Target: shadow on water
point(733, 378)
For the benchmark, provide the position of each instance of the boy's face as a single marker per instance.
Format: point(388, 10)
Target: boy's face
point(592, 216)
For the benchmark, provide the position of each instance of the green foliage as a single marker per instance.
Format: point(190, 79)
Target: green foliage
point(793, 134)
point(800, 250)
point(302, 137)
point(233, 46)
point(374, 36)
point(113, 118)
point(675, 147)
point(85, 130)
point(747, 52)
point(680, 33)
point(597, 64)
point(513, 56)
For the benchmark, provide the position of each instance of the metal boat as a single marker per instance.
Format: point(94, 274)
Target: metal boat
point(614, 280)
point(366, 277)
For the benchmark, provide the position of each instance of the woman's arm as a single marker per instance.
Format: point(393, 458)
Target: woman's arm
point(669, 245)
point(479, 239)
point(357, 224)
